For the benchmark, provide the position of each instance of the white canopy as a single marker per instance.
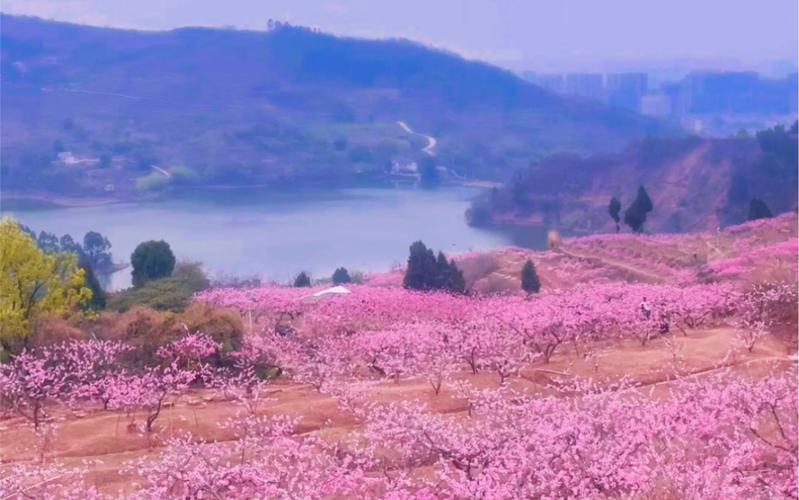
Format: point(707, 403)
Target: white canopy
point(336, 290)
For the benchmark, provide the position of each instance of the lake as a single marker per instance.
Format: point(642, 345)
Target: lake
point(274, 235)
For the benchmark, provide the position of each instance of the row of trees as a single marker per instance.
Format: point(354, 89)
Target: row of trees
point(635, 215)
point(426, 272)
point(340, 277)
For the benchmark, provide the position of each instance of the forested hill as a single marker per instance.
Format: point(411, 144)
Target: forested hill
point(214, 106)
point(694, 184)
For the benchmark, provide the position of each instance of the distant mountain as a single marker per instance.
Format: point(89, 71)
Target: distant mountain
point(91, 110)
point(694, 183)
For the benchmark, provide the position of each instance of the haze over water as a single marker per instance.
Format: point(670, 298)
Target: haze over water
point(274, 235)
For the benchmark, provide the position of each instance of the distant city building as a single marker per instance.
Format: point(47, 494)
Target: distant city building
point(589, 85)
point(709, 102)
point(656, 105)
point(553, 82)
point(625, 90)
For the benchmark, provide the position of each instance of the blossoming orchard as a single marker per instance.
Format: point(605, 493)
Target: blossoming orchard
point(685, 388)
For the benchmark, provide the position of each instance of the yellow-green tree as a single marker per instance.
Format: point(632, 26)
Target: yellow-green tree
point(33, 284)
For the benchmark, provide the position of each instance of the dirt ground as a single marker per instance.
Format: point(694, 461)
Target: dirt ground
point(104, 439)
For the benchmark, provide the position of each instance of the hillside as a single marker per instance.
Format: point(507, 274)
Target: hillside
point(695, 184)
point(390, 393)
point(225, 107)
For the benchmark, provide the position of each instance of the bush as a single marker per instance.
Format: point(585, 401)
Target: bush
point(477, 267)
point(223, 325)
point(54, 330)
point(143, 328)
point(151, 260)
point(166, 294)
point(183, 176)
point(152, 182)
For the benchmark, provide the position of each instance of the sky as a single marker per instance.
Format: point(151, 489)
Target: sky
point(535, 35)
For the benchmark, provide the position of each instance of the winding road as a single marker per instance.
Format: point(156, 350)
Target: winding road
point(431, 141)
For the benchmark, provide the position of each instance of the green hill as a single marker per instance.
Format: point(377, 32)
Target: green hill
point(285, 106)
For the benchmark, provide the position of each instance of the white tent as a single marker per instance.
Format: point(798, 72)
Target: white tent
point(329, 292)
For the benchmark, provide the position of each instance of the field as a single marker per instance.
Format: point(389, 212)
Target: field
point(647, 367)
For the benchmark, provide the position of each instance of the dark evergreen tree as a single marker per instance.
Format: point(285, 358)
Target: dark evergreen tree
point(421, 271)
point(759, 210)
point(340, 276)
point(455, 282)
point(530, 281)
point(427, 272)
point(302, 280)
point(442, 275)
point(645, 201)
point(635, 215)
point(428, 173)
point(614, 208)
point(98, 294)
point(151, 260)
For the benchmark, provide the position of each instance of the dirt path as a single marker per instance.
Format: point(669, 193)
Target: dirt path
point(642, 274)
point(431, 141)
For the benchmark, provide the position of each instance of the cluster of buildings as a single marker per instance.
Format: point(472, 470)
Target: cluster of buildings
point(697, 94)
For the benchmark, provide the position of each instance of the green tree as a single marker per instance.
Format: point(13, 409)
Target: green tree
point(151, 260)
point(425, 271)
point(455, 281)
point(96, 251)
point(759, 210)
point(340, 276)
point(302, 280)
point(429, 176)
point(32, 284)
point(614, 208)
point(98, 300)
point(530, 281)
point(421, 269)
point(635, 215)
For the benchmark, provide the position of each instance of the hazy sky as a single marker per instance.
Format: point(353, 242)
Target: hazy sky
point(533, 34)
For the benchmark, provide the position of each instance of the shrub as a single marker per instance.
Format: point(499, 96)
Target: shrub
point(54, 330)
point(166, 294)
point(478, 267)
point(142, 327)
point(152, 182)
point(223, 325)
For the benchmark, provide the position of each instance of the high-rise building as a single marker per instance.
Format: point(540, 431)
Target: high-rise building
point(626, 89)
point(589, 85)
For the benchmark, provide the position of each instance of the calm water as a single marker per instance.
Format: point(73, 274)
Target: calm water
point(274, 235)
